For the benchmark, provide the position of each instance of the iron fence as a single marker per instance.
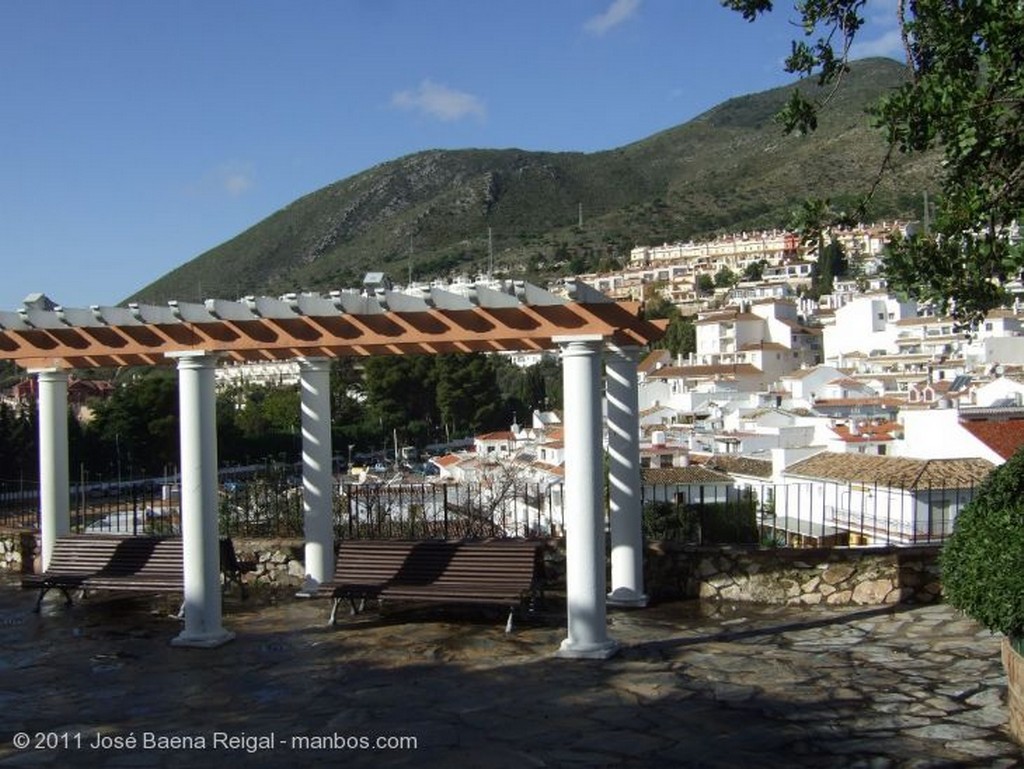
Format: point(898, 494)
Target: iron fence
point(19, 504)
point(804, 514)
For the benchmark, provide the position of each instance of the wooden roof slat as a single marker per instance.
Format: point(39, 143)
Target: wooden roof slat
point(152, 315)
point(235, 311)
point(357, 304)
point(118, 316)
point(12, 321)
point(516, 316)
point(80, 318)
point(43, 319)
point(446, 300)
point(534, 295)
point(318, 306)
point(399, 302)
point(191, 312)
point(268, 307)
point(491, 299)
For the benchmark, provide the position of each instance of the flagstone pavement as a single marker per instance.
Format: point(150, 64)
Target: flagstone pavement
point(98, 685)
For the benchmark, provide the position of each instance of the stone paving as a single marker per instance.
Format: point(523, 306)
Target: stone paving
point(98, 685)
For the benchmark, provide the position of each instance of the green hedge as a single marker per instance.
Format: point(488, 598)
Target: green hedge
point(983, 561)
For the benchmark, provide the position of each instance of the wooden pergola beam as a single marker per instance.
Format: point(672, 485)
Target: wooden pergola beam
point(496, 321)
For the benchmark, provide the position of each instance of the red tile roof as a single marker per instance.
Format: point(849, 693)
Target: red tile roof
point(447, 460)
point(901, 472)
point(682, 372)
point(500, 435)
point(1004, 437)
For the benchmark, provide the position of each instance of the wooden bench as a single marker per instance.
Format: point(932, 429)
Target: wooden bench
point(125, 563)
point(503, 572)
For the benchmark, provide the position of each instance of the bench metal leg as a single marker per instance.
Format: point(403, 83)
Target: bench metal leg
point(334, 613)
point(45, 590)
point(508, 622)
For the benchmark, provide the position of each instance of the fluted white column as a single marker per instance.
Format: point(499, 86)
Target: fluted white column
point(199, 525)
point(317, 480)
point(585, 579)
point(625, 509)
point(54, 476)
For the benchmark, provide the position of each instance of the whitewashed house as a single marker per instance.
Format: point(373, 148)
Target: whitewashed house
point(861, 499)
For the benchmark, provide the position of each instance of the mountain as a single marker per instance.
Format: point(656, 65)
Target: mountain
point(729, 169)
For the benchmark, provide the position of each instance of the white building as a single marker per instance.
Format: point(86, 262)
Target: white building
point(865, 325)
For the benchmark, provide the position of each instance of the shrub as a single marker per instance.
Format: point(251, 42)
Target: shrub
point(983, 561)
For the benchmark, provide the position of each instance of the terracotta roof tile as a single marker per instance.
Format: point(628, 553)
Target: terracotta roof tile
point(650, 363)
point(760, 468)
point(902, 472)
point(1004, 437)
point(763, 346)
point(732, 369)
point(659, 476)
point(500, 435)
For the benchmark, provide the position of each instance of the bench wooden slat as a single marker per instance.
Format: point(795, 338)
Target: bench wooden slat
point(492, 572)
point(124, 563)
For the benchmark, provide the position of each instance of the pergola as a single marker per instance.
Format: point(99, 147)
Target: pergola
point(588, 328)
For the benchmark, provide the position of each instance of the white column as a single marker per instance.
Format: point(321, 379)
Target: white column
point(585, 580)
point(625, 510)
point(199, 525)
point(54, 476)
point(317, 479)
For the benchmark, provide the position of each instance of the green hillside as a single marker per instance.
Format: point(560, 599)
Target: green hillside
point(728, 169)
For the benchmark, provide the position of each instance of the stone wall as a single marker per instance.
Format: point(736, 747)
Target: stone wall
point(267, 561)
point(863, 575)
point(272, 561)
point(15, 549)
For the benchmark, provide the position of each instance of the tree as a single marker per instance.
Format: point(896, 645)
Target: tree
point(965, 98)
point(680, 336)
point(725, 278)
point(755, 270)
point(705, 284)
point(138, 425)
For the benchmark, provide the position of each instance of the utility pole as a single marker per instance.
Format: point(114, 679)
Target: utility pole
point(410, 262)
point(490, 255)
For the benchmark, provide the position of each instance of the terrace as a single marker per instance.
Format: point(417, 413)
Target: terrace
point(720, 685)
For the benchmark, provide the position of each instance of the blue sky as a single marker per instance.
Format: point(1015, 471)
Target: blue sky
point(137, 134)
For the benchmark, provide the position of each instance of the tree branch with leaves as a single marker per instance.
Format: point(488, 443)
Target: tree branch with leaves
point(964, 98)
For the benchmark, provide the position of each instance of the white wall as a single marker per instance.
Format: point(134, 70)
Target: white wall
point(937, 434)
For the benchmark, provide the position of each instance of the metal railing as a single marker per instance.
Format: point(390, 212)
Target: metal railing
point(805, 514)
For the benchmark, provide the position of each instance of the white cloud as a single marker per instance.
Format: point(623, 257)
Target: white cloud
point(618, 12)
point(887, 44)
point(441, 102)
point(880, 35)
point(235, 183)
point(230, 179)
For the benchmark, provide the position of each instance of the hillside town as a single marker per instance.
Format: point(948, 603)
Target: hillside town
point(859, 399)
point(819, 408)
